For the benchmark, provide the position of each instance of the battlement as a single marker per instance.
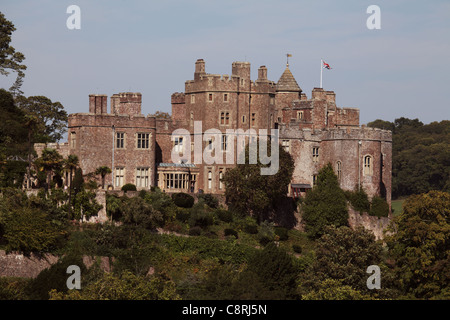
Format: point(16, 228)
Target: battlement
point(241, 69)
point(290, 130)
point(178, 97)
point(126, 103)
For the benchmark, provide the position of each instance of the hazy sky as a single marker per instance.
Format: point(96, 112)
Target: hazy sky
point(151, 47)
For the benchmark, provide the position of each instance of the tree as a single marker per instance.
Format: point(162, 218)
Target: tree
point(85, 205)
point(51, 117)
point(421, 246)
point(276, 271)
point(359, 199)
point(71, 163)
point(249, 192)
point(161, 115)
point(420, 155)
point(136, 211)
point(103, 171)
point(13, 134)
point(30, 230)
point(51, 162)
point(78, 180)
point(343, 254)
point(9, 58)
point(325, 204)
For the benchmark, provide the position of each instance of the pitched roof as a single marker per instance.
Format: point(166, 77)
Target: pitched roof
point(287, 82)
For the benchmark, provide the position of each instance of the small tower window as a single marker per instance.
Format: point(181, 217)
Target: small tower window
point(339, 170)
point(368, 165)
point(315, 154)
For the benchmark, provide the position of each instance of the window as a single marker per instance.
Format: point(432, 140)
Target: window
point(210, 97)
point(368, 166)
point(191, 118)
point(286, 145)
point(120, 139)
point(176, 181)
point(224, 142)
point(178, 144)
point(339, 170)
point(253, 119)
point(224, 118)
point(225, 97)
point(243, 119)
point(143, 140)
point(272, 100)
point(220, 179)
point(299, 115)
point(142, 178)
point(192, 98)
point(120, 173)
point(315, 154)
point(314, 179)
point(73, 140)
point(209, 179)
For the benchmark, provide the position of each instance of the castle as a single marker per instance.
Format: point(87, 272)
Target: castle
point(313, 130)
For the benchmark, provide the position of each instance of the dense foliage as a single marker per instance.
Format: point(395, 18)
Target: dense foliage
point(247, 191)
point(420, 155)
point(421, 246)
point(325, 204)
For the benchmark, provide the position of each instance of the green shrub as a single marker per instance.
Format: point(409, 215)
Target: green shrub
point(250, 226)
point(358, 199)
point(128, 187)
point(379, 207)
point(231, 232)
point(282, 233)
point(54, 277)
point(182, 214)
point(201, 218)
point(183, 200)
point(265, 240)
point(297, 248)
point(209, 200)
point(224, 215)
point(195, 231)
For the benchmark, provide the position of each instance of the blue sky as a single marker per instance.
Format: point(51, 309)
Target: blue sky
point(151, 47)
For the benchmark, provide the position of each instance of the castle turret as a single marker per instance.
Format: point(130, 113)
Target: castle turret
point(199, 69)
point(241, 69)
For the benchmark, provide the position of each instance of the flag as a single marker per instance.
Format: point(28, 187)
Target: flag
point(289, 55)
point(326, 65)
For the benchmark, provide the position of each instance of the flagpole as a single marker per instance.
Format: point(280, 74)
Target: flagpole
point(321, 69)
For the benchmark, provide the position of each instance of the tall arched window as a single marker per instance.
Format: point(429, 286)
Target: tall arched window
point(368, 165)
point(339, 170)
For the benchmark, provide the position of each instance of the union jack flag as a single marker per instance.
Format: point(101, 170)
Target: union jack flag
point(326, 65)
